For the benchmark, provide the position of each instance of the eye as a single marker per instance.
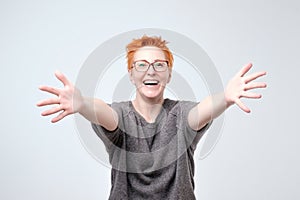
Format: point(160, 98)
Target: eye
point(141, 64)
point(160, 64)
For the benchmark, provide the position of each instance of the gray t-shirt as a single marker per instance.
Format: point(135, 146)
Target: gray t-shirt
point(152, 160)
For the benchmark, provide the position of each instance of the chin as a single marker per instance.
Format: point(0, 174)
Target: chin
point(152, 94)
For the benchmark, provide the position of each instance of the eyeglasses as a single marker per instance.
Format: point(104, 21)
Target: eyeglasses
point(143, 65)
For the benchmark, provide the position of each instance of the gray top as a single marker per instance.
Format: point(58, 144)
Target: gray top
point(152, 160)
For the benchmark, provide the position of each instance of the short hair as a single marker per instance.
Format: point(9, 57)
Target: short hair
point(155, 41)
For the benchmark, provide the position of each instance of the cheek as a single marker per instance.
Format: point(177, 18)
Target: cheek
point(136, 79)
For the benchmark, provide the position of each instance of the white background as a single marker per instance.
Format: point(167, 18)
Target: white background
point(257, 156)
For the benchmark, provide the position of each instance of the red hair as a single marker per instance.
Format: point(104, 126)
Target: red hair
point(155, 41)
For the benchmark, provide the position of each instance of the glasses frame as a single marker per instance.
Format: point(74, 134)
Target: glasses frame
point(150, 64)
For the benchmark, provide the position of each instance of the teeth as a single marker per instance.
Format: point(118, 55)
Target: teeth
point(150, 82)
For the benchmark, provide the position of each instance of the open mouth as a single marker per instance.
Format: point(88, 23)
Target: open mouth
point(151, 82)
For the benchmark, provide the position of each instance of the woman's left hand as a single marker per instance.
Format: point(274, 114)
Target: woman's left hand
point(240, 85)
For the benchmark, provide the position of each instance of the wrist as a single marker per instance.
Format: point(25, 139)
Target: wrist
point(228, 101)
point(82, 104)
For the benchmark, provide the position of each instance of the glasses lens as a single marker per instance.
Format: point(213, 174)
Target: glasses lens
point(141, 66)
point(160, 65)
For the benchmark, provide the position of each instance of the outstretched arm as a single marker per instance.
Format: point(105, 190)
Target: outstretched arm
point(238, 87)
point(69, 100)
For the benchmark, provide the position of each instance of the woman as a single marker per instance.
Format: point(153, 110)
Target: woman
point(151, 140)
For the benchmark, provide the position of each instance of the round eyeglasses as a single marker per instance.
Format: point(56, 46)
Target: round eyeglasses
point(143, 65)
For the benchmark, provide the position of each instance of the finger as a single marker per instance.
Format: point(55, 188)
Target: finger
point(52, 111)
point(250, 86)
point(242, 106)
point(49, 89)
point(48, 102)
point(254, 76)
point(251, 95)
point(244, 70)
point(62, 78)
point(59, 117)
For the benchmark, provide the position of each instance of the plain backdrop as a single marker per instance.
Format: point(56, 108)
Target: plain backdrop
point(257, 155)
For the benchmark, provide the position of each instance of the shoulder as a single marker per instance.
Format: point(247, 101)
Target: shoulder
point(175, 106)
point(122, 107)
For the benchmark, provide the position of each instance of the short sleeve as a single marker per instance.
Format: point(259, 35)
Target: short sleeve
point(111, 138)
point(192, 137)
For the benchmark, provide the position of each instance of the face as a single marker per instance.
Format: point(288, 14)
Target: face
point(150, 84)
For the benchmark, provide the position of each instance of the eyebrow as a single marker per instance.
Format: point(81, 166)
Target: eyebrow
point(152, 62)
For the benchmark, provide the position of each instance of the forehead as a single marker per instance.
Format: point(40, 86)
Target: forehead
point(149, 53)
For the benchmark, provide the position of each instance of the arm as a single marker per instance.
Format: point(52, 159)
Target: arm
point(213, 106)
point(69, 100)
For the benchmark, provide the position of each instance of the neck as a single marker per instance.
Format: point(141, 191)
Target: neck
point(148, 108)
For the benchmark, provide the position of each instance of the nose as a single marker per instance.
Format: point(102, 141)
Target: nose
point(151, 70)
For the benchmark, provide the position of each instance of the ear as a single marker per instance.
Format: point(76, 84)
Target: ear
point(130, 76)
point(170, 75)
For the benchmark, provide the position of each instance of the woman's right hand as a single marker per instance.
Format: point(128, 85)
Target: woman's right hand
point(68, 99)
